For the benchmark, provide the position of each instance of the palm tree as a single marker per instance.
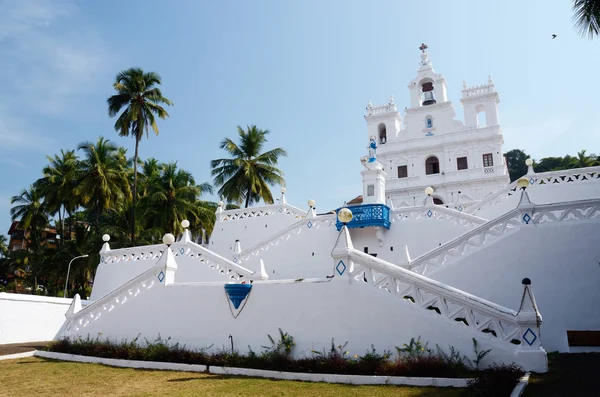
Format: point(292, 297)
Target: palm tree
point(57, 186)
point(587, 17)
point(30, 212)
point(248, 173)
point(173, 197)
point(138, 93)
point(584, 160)
point(101, 182)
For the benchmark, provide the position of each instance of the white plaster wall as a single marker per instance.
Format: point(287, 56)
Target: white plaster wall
point(344, 310)
point(306, 252)
point(249, 230)
point(561, 259)
point(30, 318)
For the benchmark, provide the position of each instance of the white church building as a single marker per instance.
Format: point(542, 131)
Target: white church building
point(512, 265)
point(462, 161)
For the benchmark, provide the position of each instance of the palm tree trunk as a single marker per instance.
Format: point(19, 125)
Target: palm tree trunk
point(62, 228)
point(248, 195)
point(134, 200)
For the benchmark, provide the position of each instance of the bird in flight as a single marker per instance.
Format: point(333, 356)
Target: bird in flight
point(553, 36)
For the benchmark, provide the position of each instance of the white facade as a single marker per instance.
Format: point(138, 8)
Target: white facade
point(462, 162)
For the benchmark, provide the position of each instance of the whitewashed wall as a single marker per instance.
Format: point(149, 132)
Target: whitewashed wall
point(250, 225)
point(561, 259)
point(30, 318)
point(199, 315)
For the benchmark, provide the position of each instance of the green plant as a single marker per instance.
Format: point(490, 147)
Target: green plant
point(479, 355)
point(283, 347)
point(415, 350)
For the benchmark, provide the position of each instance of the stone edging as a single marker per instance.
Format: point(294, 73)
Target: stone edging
point(113, 362)
point(520, 387)
point(259, 373)
point(17, 355)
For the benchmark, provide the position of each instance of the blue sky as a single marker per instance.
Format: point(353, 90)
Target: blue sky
point(302, 69)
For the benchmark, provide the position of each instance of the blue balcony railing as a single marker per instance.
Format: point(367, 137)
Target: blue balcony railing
point(367, 215)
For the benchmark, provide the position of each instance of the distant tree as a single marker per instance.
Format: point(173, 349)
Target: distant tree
point(3, 246)
point(29, 210)
point(585, 160)
point(101, 183)
point(138, 93)
point(516, 163)
point(586, 16)
point(248, 173)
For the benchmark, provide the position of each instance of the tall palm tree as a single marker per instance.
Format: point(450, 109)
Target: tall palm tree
point(248, 173)
point(584, 160)
point(30, 212)
point(138, 93)
point(586, 16)
point(57, 186)
point(101, 181)
point(173, 196)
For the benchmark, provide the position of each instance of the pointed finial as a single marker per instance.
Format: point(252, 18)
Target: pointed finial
point(464, 84)
point(391, 99)
point(490, 81)
point(369, 105)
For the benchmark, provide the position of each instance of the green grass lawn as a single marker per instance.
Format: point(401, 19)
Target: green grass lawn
point(42, 377)
point(570, 375)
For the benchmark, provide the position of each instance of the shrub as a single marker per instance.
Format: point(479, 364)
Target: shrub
point(495, 381)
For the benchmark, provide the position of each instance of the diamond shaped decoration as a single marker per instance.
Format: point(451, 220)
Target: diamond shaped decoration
point(531, 181)
point(234, 260)
point(429, 213)
point(309, 224)
point(460, 208)
point(529, 336)
point(182, 250)
point(161, 276)
point(341, 267)
point(101, 259)
point(526, 218)
point(280, 210)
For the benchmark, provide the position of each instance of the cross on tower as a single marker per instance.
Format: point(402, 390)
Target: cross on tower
point(423, 47)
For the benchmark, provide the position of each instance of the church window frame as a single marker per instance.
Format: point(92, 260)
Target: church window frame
point(382, 133)
point(432, 165)
point(402, 171)
point(488, 160)
point(462, 163)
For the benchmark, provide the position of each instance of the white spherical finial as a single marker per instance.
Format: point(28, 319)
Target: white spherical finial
point(529, 162)
point(185, 223)
point(168, 239)
point(283, 190)
point(429, 190)
point(522, 182)
point(311, 203)
point(220, 203)
point(106, 238)
point(344, 215)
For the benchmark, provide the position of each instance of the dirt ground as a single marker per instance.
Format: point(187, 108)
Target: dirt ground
point(21, 347)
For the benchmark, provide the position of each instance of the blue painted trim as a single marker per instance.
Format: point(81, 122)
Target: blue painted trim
point(237, 293)
point(367, 215)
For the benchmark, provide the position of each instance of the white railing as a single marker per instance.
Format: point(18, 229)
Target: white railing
point(483, 318)
point(575, 175)
point(502, 227)
point(477, 90)
point(278, 238)
point(214, 261)
point(132, 254)
point(264, 211)
point(488, 170)
point(113, 300)
point(437, 212)
point(371, 111)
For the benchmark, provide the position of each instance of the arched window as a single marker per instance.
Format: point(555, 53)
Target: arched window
point(382, 134)
point(481, 117)
point(428, 97)
point(432, 165)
